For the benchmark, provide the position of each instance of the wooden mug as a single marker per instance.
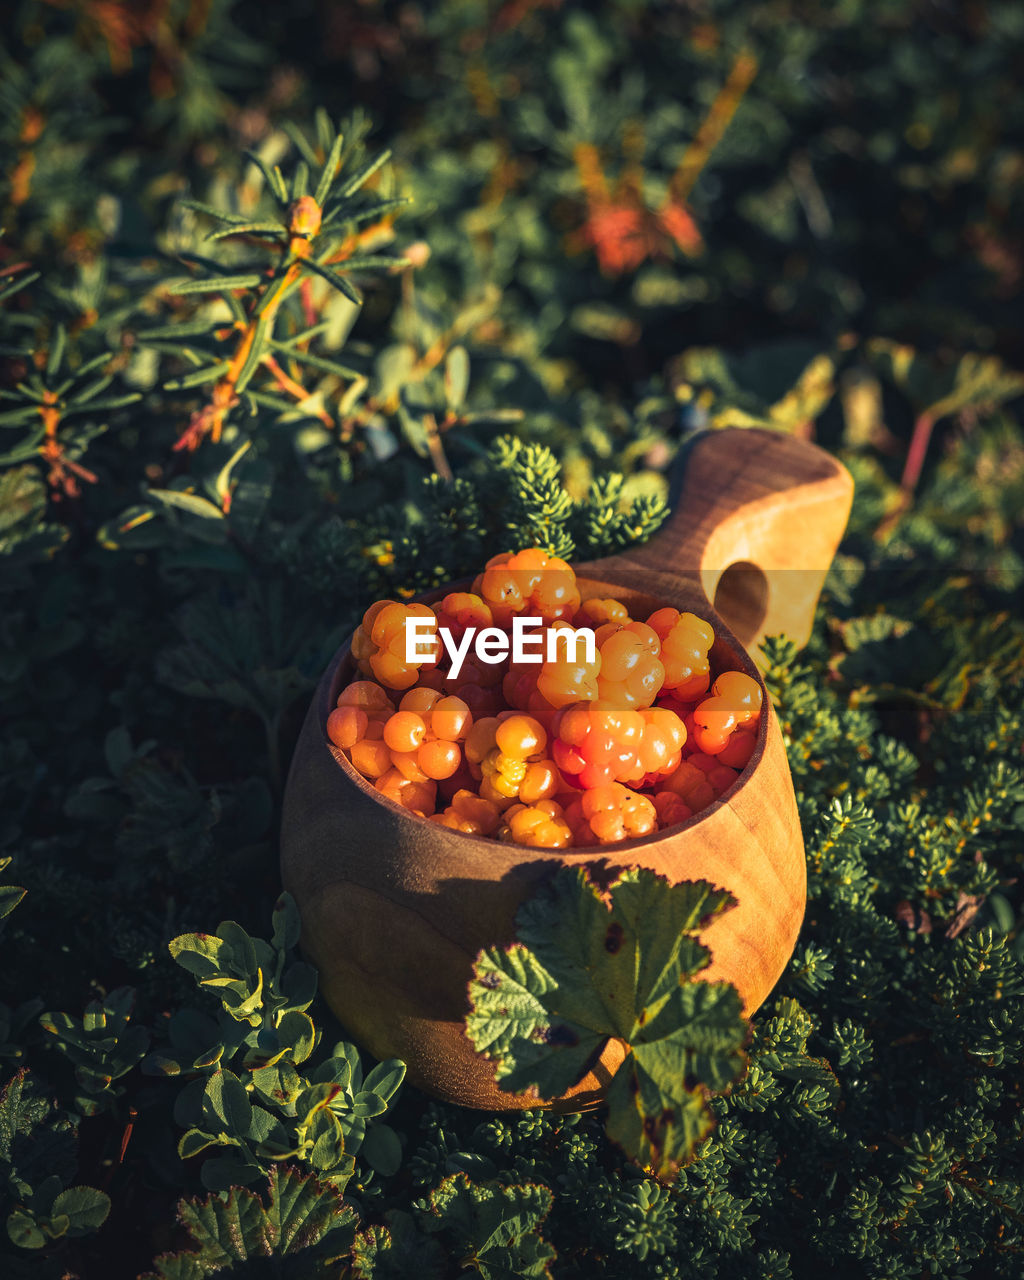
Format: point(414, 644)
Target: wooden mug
point(395, 908)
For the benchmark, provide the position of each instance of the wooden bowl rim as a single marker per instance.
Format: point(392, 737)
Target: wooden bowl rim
point(329, 689)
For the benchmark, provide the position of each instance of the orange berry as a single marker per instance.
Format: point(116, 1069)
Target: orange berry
point(420, 699)
point(450, 719)
point(404, 731)
point(438, 758)
point(370, 758)
point(371, 697)
point(408, 765)
point(540, 782)
point(419, 797)
point(737, 751)
point(520, 737)
point(346, 725)
point(671, 809)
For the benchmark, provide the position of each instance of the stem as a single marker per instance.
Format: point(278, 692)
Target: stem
point(592, 179)
point(711, 131)
point(293, 388)
point(437, 453)
point(916, 453)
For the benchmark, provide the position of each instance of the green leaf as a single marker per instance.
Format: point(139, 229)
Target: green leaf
point(494, 1229)
point(222, 485)
point(385, 1079)
point(397, 1251)
point(257, 350)
point(333, 278)
point(382, 1150)
point(193, 1141)
point(314, 361)
point(25, 1231)
point(936, 391)
point(781, 384)
point(357, 180)
point(86, 1209)
point(208, 373)
point(297, 1032)
point(190, 502)
point(56, 355)
point(213, 284)
point(509, 1021)
point(248, 229)
point(393, 368)
point(227, 1173)
point(202, 954)
point(329, 170)
point(10, 896)
point(287, 925)
point(272, 176)
point(622, 962)
point(456, 378)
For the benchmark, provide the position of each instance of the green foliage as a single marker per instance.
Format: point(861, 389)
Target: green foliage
point(102, 1047)
point(10, 894)
point(266, 1110)
point(493, 1229)
point(37, 1163)
point(396, 1249)
point(619, 960)
point(303, 1222)
point(603, 229)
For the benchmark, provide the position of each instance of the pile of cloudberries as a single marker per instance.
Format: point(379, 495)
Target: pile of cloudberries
point(557, 751)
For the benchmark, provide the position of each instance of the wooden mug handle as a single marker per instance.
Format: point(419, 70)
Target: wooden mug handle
point(757, 518)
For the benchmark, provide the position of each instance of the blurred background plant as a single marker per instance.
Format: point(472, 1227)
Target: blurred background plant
point(305, 305)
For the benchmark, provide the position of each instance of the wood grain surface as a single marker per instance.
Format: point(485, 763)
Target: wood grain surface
point(394, 908)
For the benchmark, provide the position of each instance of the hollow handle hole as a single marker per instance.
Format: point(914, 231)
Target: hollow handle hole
point(741, 599)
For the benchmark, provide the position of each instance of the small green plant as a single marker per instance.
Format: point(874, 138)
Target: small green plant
point(101, 1046)
point(247, 1104)
point(37, 1166)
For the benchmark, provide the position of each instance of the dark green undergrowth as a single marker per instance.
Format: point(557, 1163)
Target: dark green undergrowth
point(308, 306)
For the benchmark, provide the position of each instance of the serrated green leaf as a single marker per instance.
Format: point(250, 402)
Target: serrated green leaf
point(397, 1251)
point(86, 1209)
point(202, 954)
point(622, 963)
point(495, 1228)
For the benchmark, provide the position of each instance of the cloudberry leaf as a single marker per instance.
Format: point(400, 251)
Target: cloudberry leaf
point(396, 1251)
point(622, 962)
point(494, 1229)
point(301, 1216)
